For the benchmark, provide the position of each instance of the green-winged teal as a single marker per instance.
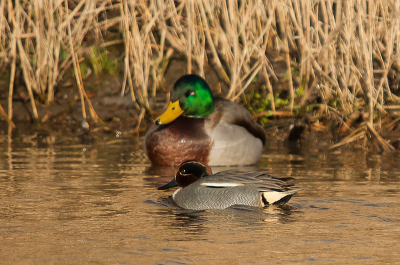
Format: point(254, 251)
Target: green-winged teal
point(201, 190)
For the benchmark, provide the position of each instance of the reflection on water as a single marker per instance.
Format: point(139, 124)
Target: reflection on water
point(100, 204)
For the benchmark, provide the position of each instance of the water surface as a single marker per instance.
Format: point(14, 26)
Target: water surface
point(99, 204)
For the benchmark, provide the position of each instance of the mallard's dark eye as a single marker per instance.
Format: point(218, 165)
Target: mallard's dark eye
point(190, 93)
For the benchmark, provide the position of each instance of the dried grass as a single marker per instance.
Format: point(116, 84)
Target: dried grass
point(345, 50)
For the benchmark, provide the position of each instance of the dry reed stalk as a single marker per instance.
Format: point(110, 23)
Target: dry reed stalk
point(205, 5)
point(241, 35)
point(276, 114)
point(383, 144)
point(140, 118)
point(6, 36)
point(6, 117)
point(361, 132)
point(77, 70)
point(270, 90)
point(286, 35)
point(356, 134)
point(198, 39)
point(254, 70)
point(366, 57)
point(13, 54)
point(125, 27)
point(390, 126)
point(37, 68)
point(78, 76)
point(139, 22)
point(39, 32)
point(3, 26)
point(190, 46)
point(25, 64)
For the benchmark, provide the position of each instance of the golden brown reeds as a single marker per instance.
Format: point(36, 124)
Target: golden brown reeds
point(35, 34)
point(346, 51)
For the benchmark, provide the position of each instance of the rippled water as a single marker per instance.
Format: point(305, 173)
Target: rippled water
point(99, 204)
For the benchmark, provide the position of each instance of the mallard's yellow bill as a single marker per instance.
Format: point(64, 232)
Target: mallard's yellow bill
point(173, 111)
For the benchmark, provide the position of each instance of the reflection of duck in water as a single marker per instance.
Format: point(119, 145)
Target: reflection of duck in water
point(201, 190)
point(198, 126)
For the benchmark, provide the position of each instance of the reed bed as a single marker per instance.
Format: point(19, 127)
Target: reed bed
point(343, 51)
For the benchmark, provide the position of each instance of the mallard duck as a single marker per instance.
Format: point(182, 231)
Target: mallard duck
point(197, 126)
point(203, 190)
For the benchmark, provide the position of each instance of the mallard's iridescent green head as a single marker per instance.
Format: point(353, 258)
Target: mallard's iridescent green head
point(191, 96)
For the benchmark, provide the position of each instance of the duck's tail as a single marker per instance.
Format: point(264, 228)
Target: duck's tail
point(277, 197)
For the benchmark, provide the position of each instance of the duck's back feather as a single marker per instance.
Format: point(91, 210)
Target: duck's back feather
point(237, 138)
point(231, 113)
point(228, 188)
point(261, 180)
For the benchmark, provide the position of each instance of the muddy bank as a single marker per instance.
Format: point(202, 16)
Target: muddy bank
point(62, 121)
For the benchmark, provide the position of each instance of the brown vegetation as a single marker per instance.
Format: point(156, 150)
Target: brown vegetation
point(335, 58)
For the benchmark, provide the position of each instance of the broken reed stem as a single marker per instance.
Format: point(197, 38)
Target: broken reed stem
point(5, 116)
point(270, 90)
point(125, 28)
point(12, 76)
point(249, 80)
point(382, 143)
point(189, 10)
point(289, 73)
point(75, 61)
point(215, 58)
point(24, 61)
point(361, 132)
point(356, 134)
point(78, 77)
point(140, 118)
point(365, 45)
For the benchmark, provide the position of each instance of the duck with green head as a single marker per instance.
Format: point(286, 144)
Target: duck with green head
point(197, 126)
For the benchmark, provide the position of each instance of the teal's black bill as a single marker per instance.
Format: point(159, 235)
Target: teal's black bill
point(168, 185)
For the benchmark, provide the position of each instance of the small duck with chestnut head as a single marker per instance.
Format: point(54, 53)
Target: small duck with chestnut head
point(201, 190)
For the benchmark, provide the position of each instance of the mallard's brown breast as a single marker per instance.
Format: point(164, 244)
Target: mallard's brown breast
point(183, 139)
